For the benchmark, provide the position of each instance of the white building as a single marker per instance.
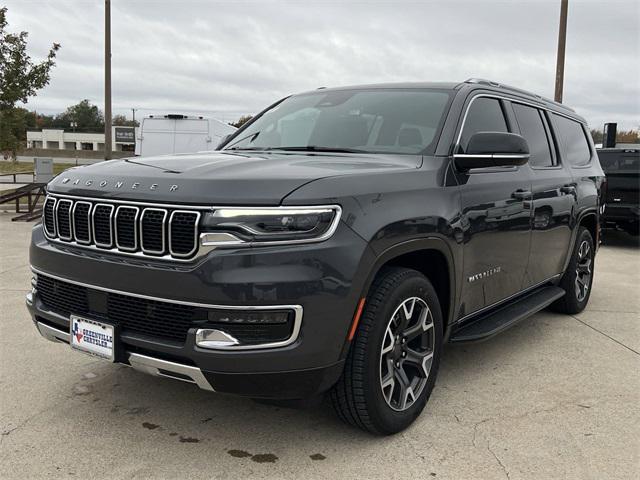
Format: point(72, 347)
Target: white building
point(124, 140)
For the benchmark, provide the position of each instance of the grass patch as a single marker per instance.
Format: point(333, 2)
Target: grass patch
point(13, 167)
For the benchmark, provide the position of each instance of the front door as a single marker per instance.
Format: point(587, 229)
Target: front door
point(495, 207)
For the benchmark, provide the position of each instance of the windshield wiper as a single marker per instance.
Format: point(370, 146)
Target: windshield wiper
point(313, 148)
point(252, 136)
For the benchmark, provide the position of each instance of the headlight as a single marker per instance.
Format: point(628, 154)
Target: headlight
point(252, 226)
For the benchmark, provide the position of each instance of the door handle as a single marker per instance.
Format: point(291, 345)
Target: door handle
point(521, 194)
point(570, 189)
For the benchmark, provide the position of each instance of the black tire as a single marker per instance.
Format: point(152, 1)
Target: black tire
point(358, 396)
point(573, 302)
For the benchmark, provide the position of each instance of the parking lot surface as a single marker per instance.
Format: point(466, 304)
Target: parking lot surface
point(555, 397)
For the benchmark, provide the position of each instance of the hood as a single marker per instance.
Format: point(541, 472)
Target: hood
point(222, 178)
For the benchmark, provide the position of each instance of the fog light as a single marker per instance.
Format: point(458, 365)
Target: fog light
point(269, 317)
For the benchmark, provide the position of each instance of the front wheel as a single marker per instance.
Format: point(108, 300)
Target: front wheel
point(393, 362)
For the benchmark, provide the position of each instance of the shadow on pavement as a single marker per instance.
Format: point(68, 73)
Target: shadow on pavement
point(618, 238)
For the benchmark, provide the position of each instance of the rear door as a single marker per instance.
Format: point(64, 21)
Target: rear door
point(553, 196)
point(495, 206)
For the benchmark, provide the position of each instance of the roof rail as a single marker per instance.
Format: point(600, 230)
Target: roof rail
point(490, 83)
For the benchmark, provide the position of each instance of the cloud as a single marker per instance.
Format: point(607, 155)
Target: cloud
point(226, 59)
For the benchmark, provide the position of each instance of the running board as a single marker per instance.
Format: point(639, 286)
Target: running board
point(496, 321)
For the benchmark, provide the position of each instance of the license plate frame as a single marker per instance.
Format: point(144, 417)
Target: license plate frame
point(93, 337)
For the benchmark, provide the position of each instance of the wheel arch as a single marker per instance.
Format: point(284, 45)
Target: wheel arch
point(590, 220)
point(430, 256)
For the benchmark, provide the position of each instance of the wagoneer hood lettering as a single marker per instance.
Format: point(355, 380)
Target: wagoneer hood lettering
point(217, 177)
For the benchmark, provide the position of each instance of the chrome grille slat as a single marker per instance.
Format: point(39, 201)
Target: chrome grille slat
point(137, 229)
point(81, 219)
point(49, 217)
point(183, 233)
point(63, 219)
point(102, 226)
point(126, 228)
point(152, 241)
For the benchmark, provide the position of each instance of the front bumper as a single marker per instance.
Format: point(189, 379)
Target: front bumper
point(321, 278)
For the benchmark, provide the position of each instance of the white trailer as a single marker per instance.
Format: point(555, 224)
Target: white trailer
point(174, 133)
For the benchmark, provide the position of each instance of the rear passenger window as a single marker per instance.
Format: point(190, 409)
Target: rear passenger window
point(533, 130)
point(573, 142)
point(484, 115)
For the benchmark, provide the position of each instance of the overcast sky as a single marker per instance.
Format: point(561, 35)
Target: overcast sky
point(228, 58)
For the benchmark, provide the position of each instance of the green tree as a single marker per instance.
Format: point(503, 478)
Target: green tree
point(14, 123)
point(20, 78)
point(241, 121)
point(121, 121)
point(87, 116)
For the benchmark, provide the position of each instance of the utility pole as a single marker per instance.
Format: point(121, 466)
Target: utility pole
point(108, 144)
point(562, 41)
point(133, 110)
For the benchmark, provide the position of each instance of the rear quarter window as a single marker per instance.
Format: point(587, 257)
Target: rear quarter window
point(574, 145)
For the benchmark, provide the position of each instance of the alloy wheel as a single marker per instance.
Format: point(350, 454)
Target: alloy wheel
point(406, 354)
point(583, 270)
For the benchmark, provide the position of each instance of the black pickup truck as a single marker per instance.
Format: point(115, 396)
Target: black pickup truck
point(621, 165)
point(332, 244)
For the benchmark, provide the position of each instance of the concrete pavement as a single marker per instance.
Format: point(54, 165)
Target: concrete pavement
point(554, 397)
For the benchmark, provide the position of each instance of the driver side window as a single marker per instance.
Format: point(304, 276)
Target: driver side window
point(484, 115)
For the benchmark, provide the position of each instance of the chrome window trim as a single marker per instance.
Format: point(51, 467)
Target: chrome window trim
point(516, 99)
point(63, 201)
point(44, 223)
point(93, 225)
point(89, 223)
point(135, 228)
point(297, 309)
point(195, 233)
point(164, 231)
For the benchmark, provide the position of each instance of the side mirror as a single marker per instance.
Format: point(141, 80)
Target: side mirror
point(493, 149)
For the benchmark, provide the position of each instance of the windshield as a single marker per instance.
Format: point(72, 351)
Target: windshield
point(373, 121)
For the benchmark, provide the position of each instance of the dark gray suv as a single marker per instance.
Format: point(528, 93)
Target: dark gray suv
point(333, 244)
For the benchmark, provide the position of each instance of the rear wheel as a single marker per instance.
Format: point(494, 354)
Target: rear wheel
point(393, 362)
point(578, 278)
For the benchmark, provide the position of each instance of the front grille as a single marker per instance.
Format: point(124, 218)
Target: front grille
point(154, 231)
point(159, 319)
